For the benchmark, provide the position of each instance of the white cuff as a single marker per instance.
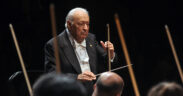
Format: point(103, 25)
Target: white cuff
point(113, 57)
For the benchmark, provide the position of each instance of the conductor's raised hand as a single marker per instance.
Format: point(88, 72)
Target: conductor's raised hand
point(108, 45)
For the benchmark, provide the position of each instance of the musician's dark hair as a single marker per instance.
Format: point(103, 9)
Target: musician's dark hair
point(166, 89)
point(52, 84)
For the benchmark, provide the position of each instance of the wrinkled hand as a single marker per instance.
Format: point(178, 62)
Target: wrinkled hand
point(86, 76)
point(108, 45)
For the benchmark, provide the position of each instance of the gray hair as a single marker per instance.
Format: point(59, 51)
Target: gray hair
point(69, 16)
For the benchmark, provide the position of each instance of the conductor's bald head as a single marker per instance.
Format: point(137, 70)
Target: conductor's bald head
point(109, 84)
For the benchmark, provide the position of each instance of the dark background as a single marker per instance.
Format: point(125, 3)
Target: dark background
point(143, 27)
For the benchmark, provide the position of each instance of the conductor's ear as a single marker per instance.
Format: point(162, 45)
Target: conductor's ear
point(69, 24)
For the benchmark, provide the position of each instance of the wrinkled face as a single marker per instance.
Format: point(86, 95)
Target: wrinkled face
point(79, 27)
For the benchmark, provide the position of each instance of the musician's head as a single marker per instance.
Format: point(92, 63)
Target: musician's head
point(57, 85)
point(108, 84)
point(77, 22)
point(166, 89)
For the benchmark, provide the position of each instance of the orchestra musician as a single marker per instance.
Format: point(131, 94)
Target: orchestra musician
point(53, 84)
point(166, 89)
point(108, 84)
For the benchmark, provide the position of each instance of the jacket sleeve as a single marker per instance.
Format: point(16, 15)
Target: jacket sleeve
point(50, 65)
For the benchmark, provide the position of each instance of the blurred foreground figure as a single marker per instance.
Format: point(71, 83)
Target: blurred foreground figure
point(108, 84)
point(53, 84)
point(166, 89)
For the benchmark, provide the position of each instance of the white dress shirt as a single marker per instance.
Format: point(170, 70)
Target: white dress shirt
point(81, 52)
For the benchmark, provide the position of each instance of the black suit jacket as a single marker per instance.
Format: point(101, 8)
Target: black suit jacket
point(69, 62)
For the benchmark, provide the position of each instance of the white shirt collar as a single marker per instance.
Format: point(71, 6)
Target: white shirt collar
point(83, 43)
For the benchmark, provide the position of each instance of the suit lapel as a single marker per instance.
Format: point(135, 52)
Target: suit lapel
point(70, 53)
point(91, 53)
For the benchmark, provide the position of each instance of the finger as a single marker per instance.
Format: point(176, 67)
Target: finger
point(87, 78)
point(84, 78)
point(79, 76)
point(103, 45)
point(90, 74)
point(109, 43)
point(111, 49)
point(110, 46)
point(106, 44)
point(93, 76)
